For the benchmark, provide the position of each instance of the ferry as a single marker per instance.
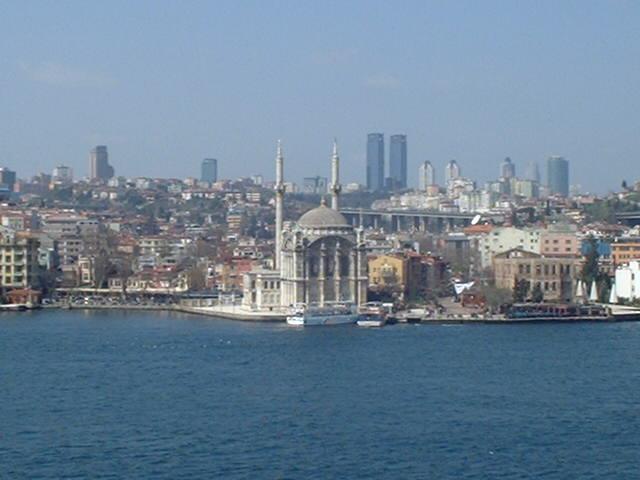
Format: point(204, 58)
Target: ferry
point(372, 314)
point(333, 314)
point(527, 311)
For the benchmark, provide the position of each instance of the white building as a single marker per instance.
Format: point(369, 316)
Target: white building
point(323, 260)
point(627, 282)
point(452, 171)
point(507, 238)
point(426, 176)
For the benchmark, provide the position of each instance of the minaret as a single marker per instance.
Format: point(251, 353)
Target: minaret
point(335, 178)
point(280, 188)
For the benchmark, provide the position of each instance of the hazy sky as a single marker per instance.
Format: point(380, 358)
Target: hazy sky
point(165, 84)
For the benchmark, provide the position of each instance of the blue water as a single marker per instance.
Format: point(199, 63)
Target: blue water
point(163, 396)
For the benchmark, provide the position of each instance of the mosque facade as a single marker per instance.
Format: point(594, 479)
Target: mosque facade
point(320, 259)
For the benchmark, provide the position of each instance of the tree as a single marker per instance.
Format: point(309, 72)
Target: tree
point(496, 297)
point(537, 295)
point(591, 267)
point(520, 290)
point(591, 271)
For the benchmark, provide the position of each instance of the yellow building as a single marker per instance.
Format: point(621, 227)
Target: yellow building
point(388, 271)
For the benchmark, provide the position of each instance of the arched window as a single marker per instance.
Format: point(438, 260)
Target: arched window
point(344, 265)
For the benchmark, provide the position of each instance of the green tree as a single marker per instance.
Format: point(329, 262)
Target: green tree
point(591, 271)
point(537, 295)
point(496, 297)
point(520, 290)
point(591, 267)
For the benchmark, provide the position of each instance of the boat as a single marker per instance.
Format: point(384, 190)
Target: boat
point(333, 314)
point(372, 314)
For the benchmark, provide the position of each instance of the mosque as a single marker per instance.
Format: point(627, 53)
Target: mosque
point(320, 259)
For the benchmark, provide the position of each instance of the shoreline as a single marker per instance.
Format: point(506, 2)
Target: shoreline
point(237, 314)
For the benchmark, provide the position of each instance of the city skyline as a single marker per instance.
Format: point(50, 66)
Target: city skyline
point(461, 87)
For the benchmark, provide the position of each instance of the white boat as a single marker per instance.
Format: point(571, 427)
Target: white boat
point(338, 314)
point(372, 314)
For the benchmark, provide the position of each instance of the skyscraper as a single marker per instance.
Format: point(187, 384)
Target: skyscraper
point(209, 170)
point(507, 169)
point(558, 176)
point(99, 163)
point(398, 161)
point(375, 162)
point(533, 172)
point(452, 171)
point(426, 175)
point(7, 179)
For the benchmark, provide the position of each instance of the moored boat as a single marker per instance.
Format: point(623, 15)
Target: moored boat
point(309, 315)
point(372, 314)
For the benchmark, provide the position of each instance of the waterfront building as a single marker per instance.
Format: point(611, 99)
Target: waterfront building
point(398, 161)
point(99, 163)
point(627, 281)
point(407, 274)
point(558, 176)
point(209, 170)
point(452, 171)
point(261, 290)
point(320, 259)
point(375, 162)
point(19, 260)
point(426, 176)
point(555, 276)
point(323, 260)
point(507, 169)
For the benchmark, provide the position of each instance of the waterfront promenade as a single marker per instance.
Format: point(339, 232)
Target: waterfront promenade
point(237, 312)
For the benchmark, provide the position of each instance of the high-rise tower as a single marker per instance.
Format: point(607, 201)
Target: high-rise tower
point(209, 170)
point(375, 162)
point(426, 175)
point(99, 163)
point(398, 161)
point(558, 176)
point(533, 172)
point(507, 169)
point(452, 171)
point(335, 177)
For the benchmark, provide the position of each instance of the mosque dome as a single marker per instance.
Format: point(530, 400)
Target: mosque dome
point(323, 216)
